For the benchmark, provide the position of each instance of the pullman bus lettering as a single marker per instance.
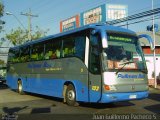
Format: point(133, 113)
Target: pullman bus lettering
point(130, 76)
point(40, 65)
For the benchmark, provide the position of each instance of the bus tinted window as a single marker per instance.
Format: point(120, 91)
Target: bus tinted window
point(13, 55)
point(94, 61)
point(68, 47)
point(24, 54)
point(74, 46)
point(80, 47)
point(52, 49)
point(37, 52)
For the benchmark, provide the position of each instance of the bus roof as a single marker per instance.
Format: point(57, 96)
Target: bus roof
point(90, 26)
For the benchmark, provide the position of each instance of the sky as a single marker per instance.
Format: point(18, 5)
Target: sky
point(51, 12)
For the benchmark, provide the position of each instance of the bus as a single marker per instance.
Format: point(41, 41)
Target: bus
point(96, 63)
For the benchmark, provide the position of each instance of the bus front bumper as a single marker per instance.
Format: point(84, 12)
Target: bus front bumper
point(115, 97)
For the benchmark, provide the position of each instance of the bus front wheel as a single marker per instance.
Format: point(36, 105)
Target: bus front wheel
point(20, 88)
point(70, 95)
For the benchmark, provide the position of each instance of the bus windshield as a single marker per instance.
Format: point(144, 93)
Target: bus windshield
point(124, 52)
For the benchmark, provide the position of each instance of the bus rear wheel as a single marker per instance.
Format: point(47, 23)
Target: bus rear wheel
point(20, 88)
point(70, 95)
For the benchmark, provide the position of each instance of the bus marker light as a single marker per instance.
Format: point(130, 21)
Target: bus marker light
point(106, 87)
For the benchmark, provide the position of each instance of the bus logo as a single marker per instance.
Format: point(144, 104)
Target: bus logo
point(126, 76)
point(41, 65)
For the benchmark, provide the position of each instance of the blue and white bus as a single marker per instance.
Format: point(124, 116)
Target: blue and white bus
point(94, 63)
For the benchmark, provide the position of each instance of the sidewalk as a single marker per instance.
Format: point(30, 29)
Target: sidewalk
point(152, 87)
point(151, 83)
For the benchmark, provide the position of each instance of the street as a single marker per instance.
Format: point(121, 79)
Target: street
point(13, 103)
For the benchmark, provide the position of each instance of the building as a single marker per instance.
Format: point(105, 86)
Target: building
point(150, 57)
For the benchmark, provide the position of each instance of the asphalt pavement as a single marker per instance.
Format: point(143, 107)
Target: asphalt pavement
point(39, 107)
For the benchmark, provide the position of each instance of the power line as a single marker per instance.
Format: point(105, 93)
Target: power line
point(46, 3)
point(33, 5)
point(135, 16)
point(135, 11)
point(144, 20)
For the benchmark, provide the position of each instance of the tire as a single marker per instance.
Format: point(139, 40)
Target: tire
point(70, 95)
point(20, 88)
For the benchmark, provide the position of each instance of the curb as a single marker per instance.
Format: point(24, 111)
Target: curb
point(152, 87)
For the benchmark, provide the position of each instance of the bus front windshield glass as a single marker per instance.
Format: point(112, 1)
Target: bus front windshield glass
point(124, 52)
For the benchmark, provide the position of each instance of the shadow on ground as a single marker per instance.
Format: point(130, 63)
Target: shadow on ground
point(81, 104)
point(153, 108)
point(154, 96)
point(13, 110)
point(3, 86)
point(106, 105)
point(45, 97)
point(41, 110)
point(33, 111)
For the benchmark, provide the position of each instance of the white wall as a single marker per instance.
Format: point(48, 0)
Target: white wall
point(150, 65)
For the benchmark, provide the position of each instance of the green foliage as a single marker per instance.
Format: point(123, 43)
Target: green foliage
point(39, 33)
point(1, 9)
point(19, 36)
point(2, 62)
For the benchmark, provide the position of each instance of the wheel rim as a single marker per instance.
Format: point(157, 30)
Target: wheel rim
point(20, 87)
point(71, 95)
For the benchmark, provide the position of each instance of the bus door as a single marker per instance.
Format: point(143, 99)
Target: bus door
point(95, 78)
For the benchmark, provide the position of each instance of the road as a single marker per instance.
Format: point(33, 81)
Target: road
point(33, 104)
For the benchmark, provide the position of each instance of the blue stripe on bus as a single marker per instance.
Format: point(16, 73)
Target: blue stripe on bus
point(50, 87)
point(94, 96)
point(11, 81)
point(55, 89)
point(115, 97)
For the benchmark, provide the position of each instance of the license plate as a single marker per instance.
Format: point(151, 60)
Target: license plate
point(133, 96)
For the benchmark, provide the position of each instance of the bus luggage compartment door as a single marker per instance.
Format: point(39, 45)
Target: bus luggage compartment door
point(94, 87)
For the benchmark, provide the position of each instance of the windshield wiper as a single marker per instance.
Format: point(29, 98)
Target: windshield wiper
point(124, 64)
point(143, 71)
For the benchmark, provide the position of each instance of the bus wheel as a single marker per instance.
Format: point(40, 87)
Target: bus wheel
point(70, 95)
point(20, 88)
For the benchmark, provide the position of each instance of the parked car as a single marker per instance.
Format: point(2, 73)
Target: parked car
point(2, 79)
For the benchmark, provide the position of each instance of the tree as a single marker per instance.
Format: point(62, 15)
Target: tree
point(1, 14)
point(2, 62)
point(19, 36)
point(39, 33)
point(1, 9)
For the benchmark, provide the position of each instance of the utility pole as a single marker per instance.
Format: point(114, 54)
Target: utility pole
point(29, 15)
point(154, 52)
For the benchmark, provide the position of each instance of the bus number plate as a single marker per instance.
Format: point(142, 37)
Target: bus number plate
point(133, 96)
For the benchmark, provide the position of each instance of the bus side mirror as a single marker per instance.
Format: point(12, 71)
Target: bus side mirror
point(103, 37)
point(149, 40)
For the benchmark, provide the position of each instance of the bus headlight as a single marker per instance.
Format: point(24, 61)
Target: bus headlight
point(109, 78)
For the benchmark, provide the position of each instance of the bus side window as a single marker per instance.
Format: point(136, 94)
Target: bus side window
point(34, 55)
point(37, 52)
point(94, 60)
point(52, 49)
point(74, 46)
point(13, 56)
point(68, 47)
point(24, 54)
point(80, 47)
